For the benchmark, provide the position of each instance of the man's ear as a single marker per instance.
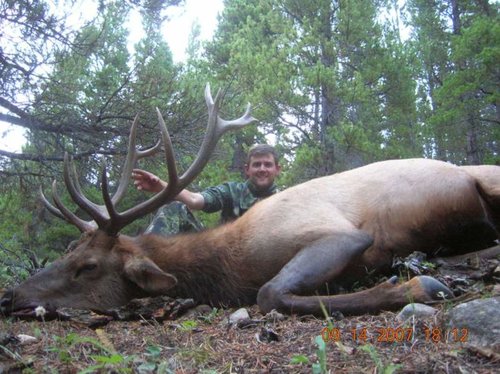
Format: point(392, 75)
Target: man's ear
point(148, 276)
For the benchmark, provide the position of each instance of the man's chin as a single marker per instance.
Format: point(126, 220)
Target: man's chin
point(262, 185)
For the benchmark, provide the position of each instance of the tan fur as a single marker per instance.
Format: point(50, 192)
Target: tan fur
point(402, 205)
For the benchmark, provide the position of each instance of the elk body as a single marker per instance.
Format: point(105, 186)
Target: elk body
point(332, 230)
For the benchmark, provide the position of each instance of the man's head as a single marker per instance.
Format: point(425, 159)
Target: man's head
point(262, 166)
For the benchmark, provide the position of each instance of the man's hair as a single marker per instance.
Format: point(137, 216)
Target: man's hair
point(262, 149)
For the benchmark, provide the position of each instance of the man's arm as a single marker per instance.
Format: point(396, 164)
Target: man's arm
point(146, 181)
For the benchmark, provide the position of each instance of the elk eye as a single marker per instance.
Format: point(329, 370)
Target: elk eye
point(87, 268)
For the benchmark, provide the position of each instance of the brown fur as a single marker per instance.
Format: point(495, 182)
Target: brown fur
point(348, 225)
point(205, 266)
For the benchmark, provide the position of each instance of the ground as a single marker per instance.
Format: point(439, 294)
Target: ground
point(151, 337)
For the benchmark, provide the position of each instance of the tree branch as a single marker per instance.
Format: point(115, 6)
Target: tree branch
point(42, 158)
point(23, 119)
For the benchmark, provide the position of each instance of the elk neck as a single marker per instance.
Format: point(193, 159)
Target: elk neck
point(207, 265)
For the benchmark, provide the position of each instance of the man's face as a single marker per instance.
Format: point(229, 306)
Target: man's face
point(262, 170)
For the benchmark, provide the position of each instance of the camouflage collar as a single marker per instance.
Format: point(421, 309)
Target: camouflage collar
point(261, 193)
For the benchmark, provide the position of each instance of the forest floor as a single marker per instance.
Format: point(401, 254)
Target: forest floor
point(160, 339)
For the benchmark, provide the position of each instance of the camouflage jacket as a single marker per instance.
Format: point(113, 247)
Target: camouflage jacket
point(233, 198)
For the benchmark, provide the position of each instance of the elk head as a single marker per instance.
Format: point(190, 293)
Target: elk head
point(106, 269)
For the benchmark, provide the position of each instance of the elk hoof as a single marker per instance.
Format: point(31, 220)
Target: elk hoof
point(432, 288)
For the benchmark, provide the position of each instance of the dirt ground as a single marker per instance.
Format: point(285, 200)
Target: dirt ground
point(152, 338)
point(213, 346)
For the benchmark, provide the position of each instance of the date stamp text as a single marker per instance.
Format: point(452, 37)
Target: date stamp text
point(394, 335)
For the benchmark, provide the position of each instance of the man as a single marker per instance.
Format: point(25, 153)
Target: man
point(232, 199)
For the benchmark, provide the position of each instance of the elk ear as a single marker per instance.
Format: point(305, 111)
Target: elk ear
point(148, 276)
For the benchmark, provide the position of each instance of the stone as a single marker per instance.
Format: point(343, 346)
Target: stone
point(26, 339)
point(478, 322)
point(416, 310)
point(238, 316)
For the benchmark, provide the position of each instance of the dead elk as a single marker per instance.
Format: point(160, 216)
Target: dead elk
point(330, 230)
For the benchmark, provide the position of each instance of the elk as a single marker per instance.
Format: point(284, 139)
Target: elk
point(287, 249)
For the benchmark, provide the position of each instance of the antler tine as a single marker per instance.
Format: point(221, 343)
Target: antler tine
point(94, 210)
point(106, 216)
point(64, 213)
point(81, 224)
point(173, 178)
point(133, 155)
point(216, 127)
point(112, 226)
point(51, 208)
point(221, 125)
point(244, 120)
point(122, 219)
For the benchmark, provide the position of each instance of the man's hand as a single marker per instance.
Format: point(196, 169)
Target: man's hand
point(146, 181)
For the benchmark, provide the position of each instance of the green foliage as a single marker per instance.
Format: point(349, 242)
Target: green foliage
point(320, 367)
point(155, 74)
point(459, 74)
point(24, 245)
point(104, 357)
point(154, 362)
point(299, 360)
point(82, 104)
point(327, 77)
point(188, 325)
point(333, 84)
point(381, 367)
point(14, 218)
point(306, 165)
point(210, 318)
point(470, 90)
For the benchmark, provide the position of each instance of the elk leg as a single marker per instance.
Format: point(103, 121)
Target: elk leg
point(455, 260)
point(324, 261)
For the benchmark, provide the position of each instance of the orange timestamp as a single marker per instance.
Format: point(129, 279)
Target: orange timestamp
point(394, 335)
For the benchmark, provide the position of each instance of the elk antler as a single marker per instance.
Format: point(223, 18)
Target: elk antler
point(106, 216)
point(133, 155)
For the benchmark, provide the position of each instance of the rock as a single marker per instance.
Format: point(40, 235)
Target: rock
point(267, 335)
point(198, 311)
point(496, 290)
point(496, 272)
point(26, 339)
point(478, 321)
point(274, 316)
point(6, 338)
point(238, 316)
point(416, 310)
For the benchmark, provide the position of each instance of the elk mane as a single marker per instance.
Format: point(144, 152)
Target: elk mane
point(205, 267)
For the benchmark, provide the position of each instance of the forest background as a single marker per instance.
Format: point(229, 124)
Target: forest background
point(334, 84)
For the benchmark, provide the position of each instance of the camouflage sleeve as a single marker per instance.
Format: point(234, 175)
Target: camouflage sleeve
point(216, 198)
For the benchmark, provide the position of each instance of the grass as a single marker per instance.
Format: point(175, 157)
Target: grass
point(209, 345)
point(320, 367)
point(382, 368)
point(98, 351)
